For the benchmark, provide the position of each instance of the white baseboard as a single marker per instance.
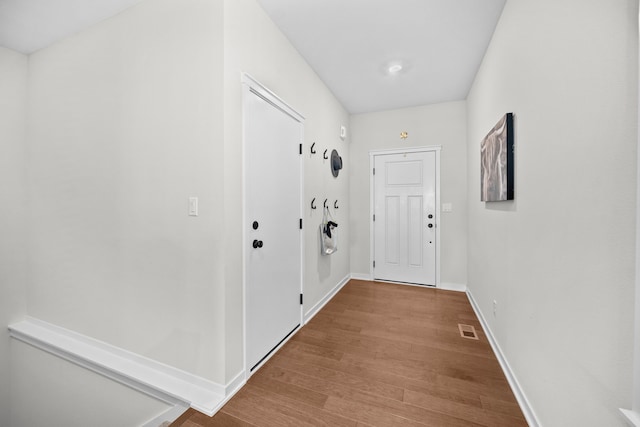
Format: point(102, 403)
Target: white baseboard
point(365, 277)
point(235, 384)
point(231, 389)
point(457, 287)
point(164, 382)
point(316, 308)
point(524, 403)
point(631, 417)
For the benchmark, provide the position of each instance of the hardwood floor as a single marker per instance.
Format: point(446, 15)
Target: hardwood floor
point(378, 354)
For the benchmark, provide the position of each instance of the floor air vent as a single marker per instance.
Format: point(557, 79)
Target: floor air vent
point(467, 331)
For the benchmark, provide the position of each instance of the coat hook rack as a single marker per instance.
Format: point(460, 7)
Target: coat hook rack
point(313, 150)
point(335, 204)
point(313, 203)
point(324, 156)
point(325, 202)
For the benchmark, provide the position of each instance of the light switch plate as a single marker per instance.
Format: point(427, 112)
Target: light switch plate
point(193, 206)
point(447, 207)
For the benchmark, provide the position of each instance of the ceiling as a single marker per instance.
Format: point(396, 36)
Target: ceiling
point(30, 25)
point(352, 43)
point(349, 43)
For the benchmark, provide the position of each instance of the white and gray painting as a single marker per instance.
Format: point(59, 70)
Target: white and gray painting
point(493, 163)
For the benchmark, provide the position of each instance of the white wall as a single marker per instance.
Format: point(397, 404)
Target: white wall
point(125, 123)
point(127, 120)
point(440, 124)
point(254, 45)
point(13, 96)
point(54, 392)
point(559, 259)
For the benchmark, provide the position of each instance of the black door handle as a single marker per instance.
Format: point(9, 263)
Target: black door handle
point(257, 244)
point(430, 225)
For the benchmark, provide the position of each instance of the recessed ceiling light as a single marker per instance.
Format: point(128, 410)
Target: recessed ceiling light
point(395, 68)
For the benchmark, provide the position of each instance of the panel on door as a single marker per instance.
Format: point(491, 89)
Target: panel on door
point(272, 235)
point(405, 217)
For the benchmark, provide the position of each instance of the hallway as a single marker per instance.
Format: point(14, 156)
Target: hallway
point(378, 354)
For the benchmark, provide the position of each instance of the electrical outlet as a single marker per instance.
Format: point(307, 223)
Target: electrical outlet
point(495, 308)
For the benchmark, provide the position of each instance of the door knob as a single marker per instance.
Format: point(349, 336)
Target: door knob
point(257, 244)
point(430, 225)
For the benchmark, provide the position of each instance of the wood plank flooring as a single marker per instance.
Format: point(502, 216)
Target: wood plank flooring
point(377, 354)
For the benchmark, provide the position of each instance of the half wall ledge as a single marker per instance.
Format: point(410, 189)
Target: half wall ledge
point(166, 383)
point(631, 417)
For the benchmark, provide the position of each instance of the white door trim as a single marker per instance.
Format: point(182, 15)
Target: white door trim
point(432, 148)
point(258, 88)
point(252, 86)
point(632, 415)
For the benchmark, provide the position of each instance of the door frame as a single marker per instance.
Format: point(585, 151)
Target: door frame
point(372, 155)
point(251, 87)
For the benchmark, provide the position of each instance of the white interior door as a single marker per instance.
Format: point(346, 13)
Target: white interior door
point(405, 217)
point(273, 245)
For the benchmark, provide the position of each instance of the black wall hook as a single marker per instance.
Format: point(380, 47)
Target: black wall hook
point(325, 202)
point(335, 204)
point(324, 156)
point(313, 203)
point(313, 150)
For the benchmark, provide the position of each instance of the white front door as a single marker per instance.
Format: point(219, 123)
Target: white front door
point(405, 217)
point(272, 235)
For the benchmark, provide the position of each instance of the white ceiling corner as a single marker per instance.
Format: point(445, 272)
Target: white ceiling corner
point(30, 25)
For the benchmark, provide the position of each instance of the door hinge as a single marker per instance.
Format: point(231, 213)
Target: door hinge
point(374, 217)
point(300, 223)
point(374, 171)
point(301, 299)
point(300, 148)
point(374, 264)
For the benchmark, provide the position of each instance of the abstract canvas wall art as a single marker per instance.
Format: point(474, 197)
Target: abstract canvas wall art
point(496, 162)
